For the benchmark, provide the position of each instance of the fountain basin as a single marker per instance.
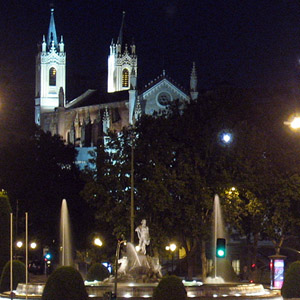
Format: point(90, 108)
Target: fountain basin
point(195, 290)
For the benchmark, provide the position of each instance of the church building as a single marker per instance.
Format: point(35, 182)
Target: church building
point(84, 121)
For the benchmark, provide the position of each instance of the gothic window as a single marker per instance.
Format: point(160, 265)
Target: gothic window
point(52, 76)
point(125, 78)
point(164, 98)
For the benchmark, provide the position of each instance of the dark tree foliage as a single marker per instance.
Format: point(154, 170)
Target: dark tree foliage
point(180, 162)
point(5, 210)
point(37, 173)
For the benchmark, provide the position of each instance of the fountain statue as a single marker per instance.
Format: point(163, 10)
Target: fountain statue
point(135, 264)
point(143, 235)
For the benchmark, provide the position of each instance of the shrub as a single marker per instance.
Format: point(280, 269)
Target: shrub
point(5, 211)
point(65, 283)
point(291, 286)
point(19, 275)
point(171, 288)
point(97, 272)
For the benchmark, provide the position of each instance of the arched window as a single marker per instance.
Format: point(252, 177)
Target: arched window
point(125, 78)
point(52, 76)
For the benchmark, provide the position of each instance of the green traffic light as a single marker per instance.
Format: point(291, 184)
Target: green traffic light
point(221, 253)
point(221, 248)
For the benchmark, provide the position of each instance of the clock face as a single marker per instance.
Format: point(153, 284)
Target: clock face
point(164, 98)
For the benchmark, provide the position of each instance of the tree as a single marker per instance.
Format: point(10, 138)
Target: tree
point(180, 163)
point(39, 171)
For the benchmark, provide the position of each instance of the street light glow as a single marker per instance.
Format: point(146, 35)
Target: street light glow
point(33, 245)
point(98, 242)
point(226, 137)
point(19, 244)
point(295, 124)
point(173, 247)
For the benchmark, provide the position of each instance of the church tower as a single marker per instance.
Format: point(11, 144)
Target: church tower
point(122, 62)
point(50, 86)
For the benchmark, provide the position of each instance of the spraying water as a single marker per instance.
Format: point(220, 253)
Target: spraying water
point(218, 232)
point(65, 236)
point(132, 255)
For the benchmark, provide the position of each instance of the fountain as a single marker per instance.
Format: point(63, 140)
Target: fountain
point(65, 236)
point(218, 232)
point(36, 289)
point(135, 279)
point(138, 274)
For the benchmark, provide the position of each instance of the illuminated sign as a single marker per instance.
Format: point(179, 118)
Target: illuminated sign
point(278, 273)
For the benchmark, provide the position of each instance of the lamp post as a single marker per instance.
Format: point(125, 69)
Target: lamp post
point(172, 247)
point(132, 188)
point(120, 242)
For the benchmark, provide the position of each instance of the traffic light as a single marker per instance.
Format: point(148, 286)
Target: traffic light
point(221, 248)
point(48, 257)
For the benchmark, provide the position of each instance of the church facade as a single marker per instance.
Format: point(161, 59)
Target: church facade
point(83, 121)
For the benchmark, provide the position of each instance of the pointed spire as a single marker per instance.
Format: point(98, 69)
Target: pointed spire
point(138, 110)
point(52, 30)
point(44, 45)
point(61, 45)
point(106, 121)
point(193, 83)
point(193, 80)
point(120, 37)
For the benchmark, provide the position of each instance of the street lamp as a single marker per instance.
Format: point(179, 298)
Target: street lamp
point(293, 122)
point(19, 244)
point(225, 137)
point(98, 242)
point(33, 245)
point(172, 247)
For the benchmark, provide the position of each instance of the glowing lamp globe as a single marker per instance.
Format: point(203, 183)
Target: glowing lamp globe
point(295, 124)
point(226, 138)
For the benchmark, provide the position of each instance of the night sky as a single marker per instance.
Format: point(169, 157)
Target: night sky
point(246, 43)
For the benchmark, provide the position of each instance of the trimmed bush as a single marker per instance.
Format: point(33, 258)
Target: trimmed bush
point(5, 210)
point(97, 272)
point(65, 283)
point(291, 286)
point(171, 288)
point(19, 275)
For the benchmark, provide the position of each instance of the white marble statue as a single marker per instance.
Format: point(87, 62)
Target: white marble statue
point(143, 235)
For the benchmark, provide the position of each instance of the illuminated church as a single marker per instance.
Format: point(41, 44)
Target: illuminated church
point(83, 121)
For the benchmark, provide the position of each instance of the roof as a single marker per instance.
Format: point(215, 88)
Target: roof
point(92, 97)
point(160, 78)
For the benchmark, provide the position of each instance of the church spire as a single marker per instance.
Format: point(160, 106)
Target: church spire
point(122, 62)
point(193, 83)
point(52, 36)
point(120, 37)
